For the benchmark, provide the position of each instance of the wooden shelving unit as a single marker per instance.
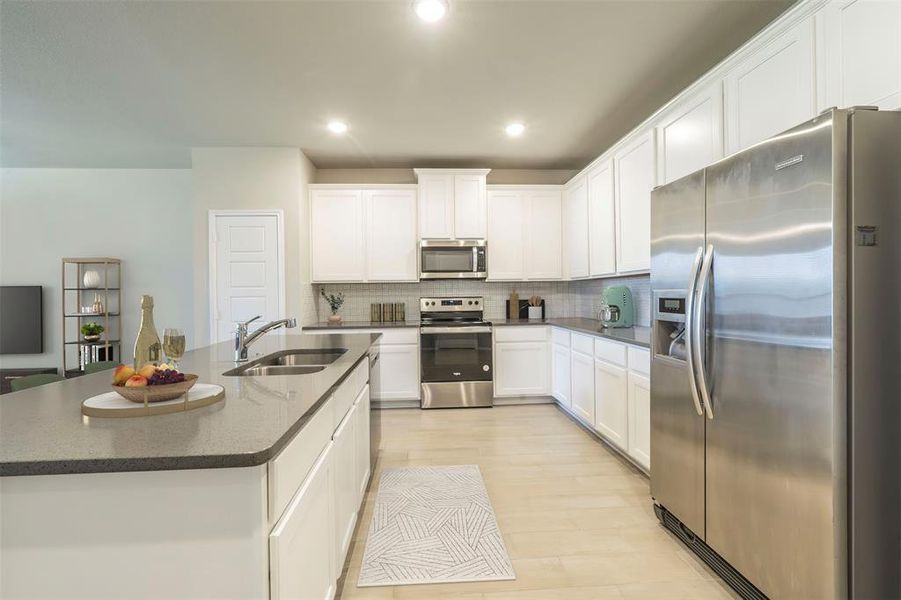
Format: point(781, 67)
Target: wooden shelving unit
point(76, 351)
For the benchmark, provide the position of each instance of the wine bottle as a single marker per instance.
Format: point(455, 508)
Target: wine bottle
point(147, 345)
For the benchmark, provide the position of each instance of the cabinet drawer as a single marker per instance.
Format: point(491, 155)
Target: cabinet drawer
point(640, 360)
point(288, 470)
point(612, 352)
point(583, 343)
point(525, 333)
point(348, 391)
point(560, 337)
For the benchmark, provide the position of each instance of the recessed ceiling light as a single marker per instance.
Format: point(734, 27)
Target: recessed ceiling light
point(337, 127)
point(515, 129)
point(430, 10)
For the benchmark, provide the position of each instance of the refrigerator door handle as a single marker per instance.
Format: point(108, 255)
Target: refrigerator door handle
point(689, 356)
point(698, 305)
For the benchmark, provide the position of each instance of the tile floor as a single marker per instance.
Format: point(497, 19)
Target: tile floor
point(577, 520)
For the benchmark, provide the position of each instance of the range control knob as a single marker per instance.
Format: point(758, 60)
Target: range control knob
point(477, 302)
point(486, 368)
point(470, 302)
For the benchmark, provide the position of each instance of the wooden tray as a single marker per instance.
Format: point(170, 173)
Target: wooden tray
point(111, 404)
point(156, 393)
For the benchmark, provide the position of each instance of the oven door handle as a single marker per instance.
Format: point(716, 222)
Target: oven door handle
point(437, 330)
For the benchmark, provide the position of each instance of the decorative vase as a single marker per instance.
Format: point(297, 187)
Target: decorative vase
point(334, 320)
point(91, 279)
point(92, 338)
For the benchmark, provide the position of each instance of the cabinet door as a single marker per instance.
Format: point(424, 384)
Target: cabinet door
point(860, 61)
point(469, 207)
point(575, 207)
point(399, 374)
point(562, 382)
point(345, 482)
point(544, 237)
point(771, 90)
point(362, 461)
point(336, 235)
point(640, 419)
point(690, 135)
point(582, 373)
point(611, 403)
point(635, 173)
point(506, 226)
point(391, 241)
point(521, 369)
point(302, 543)
point(602, 220)
point(436, 206)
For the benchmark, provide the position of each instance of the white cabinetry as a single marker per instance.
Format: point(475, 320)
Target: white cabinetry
point(602, 220)
point(543, 240)
point(690, 134)
point(582, 370)
point(391, 240)
point(561, 379)
point(345, 482)
point(634, 177)
point(859, 53)
point(772, 89)
point(521, 361)
point(336, 235)
point(362, 463)
point(452, 203)
point(611, 403)
point(575, 228)
point(525, 233)
point(640, 419)
point(506, 229)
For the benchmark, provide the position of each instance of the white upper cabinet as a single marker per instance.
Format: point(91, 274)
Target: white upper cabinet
point(544, 231)
point(602, 220)
point(452, 203)
point(690, 134)
point(575, 228)
point(506, 229)
point(336, 235)
point(525, 234)
point(772, 89)
point(391, 241)
point(859, 53)
point(634, 177)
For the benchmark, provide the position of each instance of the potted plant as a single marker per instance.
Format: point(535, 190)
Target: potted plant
point(334, 303)
point(91, 331)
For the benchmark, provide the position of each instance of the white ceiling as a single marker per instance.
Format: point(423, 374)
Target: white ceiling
point(136, 84)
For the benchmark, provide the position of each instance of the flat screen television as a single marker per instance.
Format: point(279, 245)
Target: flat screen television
point(21, 319)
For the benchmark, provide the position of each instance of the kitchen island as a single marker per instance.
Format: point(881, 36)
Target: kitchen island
point(252, 497)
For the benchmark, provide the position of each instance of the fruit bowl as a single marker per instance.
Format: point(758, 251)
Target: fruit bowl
point(157, 393)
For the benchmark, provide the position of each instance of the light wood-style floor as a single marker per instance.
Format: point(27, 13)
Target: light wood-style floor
point(577, 519)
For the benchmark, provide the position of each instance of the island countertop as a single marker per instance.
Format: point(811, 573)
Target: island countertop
point(43, 432)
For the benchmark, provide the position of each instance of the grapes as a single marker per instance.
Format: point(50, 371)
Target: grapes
point(165, 377)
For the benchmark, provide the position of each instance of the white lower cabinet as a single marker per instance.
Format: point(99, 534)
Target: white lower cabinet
point(399, 374)
point(611, 411)
point(302, 544)
point(561, 379)
point(640, 419)
point(345, 482)
point(583, 386)
point(362, 463)
point(521, 369)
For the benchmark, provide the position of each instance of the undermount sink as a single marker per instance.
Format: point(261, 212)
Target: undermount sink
point(289, 362)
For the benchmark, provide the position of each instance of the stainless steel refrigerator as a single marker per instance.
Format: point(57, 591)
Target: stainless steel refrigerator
point(776, 343)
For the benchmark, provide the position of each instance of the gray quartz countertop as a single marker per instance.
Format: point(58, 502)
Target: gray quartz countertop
point(362, 325)
point(638, 336)
point(43, 432)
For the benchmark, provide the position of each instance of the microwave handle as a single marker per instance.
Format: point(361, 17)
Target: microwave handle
point(475, 259)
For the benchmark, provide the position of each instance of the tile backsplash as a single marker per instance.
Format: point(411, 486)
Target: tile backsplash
point(562, 298)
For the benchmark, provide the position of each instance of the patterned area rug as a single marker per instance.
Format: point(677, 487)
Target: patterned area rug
point(433, 525)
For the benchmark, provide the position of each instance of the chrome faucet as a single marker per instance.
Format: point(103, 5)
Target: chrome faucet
point(243, 341)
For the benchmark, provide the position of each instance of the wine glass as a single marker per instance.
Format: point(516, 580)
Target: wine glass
point(174, 345)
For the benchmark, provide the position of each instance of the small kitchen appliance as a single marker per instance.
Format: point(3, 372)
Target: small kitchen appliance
point(452, 259)
point(617, 309)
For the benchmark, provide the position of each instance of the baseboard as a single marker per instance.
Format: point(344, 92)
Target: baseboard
point(389, 404)
point(514, 400)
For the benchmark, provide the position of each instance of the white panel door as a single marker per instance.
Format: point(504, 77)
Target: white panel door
point(521, 369)
point(391, 241)
point(345, 481)
point(506, 228)
point(302, 543)
point(544, 235)
point(634, 177)
point(771, 90)
point(399, 372)
point(362, 462)
point(640, 419)
point(602, 220)
point(860, 58)
point(336, 236)
point(436, 206)
point(690, 134)
point(611, 403)
point(469, 207)
point(575, 209)
point(247, 275)
point(582, 374)
point(561, 379)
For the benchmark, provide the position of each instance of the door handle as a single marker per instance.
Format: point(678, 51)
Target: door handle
point(697, 308)
point(689, 305)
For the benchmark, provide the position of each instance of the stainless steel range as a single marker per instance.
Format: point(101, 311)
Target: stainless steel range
point(455, 342)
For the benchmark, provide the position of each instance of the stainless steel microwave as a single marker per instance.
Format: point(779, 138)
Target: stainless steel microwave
point(452, 259)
